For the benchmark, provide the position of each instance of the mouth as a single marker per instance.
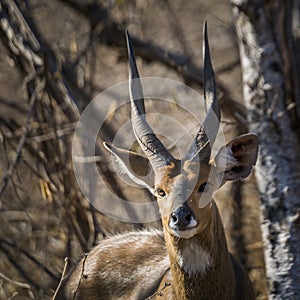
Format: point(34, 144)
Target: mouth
point(193, 224)
point(186, 231)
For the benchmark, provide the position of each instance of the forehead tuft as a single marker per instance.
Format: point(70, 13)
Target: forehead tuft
point(195, 171)
point(184, 169)
point(171, 170)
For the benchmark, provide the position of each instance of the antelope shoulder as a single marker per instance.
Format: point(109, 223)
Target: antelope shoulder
point(126, 266)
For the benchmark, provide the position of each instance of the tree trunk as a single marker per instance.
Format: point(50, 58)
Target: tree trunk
point(270, 93)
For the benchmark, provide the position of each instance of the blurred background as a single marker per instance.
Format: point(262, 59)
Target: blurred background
point(56, 56)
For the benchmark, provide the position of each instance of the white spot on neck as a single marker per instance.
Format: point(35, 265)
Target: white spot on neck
point(193, 259)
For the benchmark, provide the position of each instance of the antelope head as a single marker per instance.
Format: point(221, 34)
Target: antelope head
point(184, 187)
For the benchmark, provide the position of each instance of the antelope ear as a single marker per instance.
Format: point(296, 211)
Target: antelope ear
point(132, 167)
point(237, 157)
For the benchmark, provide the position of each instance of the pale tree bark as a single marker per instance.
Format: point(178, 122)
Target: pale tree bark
point(270, 93)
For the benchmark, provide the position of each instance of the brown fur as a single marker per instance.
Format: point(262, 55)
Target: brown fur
point(127, 266)
point(138, 265)
point(221, 281)
point(195, 261)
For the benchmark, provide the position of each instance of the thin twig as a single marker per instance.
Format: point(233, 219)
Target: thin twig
point(48, 133)
point(18, 284)
point(112, 34)
point(61, 278)
point(5, 179)
point(159, 292)
point(81, 275)
point(17, 266)
point(29, 256)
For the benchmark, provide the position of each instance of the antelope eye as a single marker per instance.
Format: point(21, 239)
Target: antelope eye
point(203, 187)
point(160, 192)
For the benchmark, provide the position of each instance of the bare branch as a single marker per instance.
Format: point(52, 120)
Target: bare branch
point(18, 284)
point(61, 278)
point(9, 172)
point(112, 33)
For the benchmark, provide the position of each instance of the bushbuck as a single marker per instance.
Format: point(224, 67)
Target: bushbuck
point(189, 259)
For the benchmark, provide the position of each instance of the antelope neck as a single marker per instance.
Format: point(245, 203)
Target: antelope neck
point(194, 261)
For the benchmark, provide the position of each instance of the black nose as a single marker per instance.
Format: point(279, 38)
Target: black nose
point(181, 218)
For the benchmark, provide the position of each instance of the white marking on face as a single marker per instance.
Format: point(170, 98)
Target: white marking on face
point(193, 223)
point(184, 234)
point(187, 233)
